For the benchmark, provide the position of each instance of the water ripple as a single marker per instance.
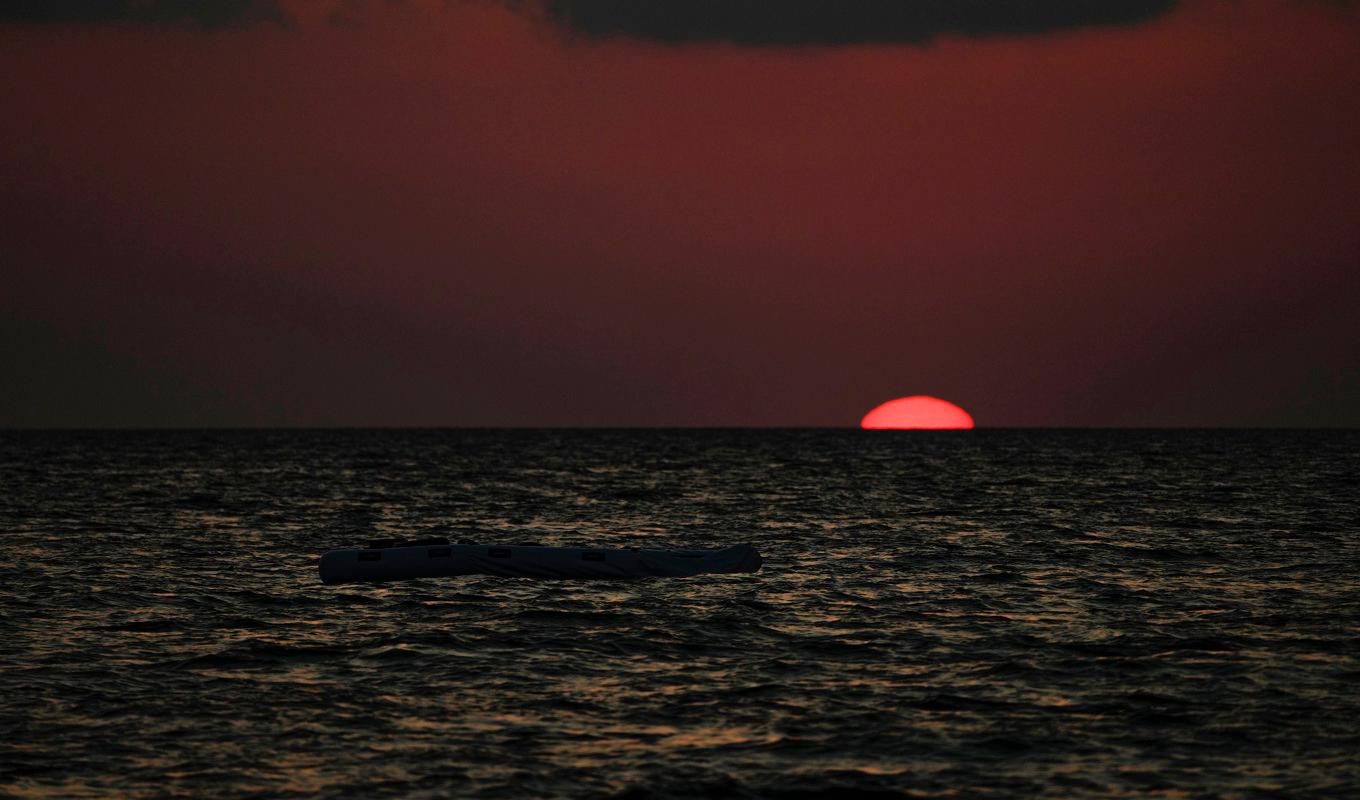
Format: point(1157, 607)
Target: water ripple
point(993, 614)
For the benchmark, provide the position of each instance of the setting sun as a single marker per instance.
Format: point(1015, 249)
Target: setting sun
point(918, 412)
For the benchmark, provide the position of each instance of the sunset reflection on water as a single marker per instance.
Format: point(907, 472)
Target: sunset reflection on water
point(931, 617)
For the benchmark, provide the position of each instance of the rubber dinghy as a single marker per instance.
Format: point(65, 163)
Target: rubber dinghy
point(388, 560)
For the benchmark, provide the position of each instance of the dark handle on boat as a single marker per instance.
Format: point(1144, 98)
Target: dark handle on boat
point(499, 552)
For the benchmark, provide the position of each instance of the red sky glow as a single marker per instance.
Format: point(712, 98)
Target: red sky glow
point(463, 215)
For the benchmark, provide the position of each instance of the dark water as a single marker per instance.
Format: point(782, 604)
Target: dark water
point(995, 613)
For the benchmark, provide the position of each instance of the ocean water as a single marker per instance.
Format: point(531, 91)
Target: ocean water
point(981, 614)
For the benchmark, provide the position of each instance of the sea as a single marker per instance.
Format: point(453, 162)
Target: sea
point(971, 614)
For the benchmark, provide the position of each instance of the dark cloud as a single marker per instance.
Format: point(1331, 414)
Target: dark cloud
point(752, 22)
point(834, 22)
point(205, 13)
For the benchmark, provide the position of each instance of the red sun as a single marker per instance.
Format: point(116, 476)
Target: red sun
point(919, 412)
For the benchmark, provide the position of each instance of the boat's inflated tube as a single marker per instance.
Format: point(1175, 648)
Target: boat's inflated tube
point(390, 561)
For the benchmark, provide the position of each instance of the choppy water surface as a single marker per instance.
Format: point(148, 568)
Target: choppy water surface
point(992, 613)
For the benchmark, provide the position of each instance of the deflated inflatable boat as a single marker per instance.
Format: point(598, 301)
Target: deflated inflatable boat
point(430, 558)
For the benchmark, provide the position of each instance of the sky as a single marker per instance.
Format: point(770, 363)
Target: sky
point(680, 213)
